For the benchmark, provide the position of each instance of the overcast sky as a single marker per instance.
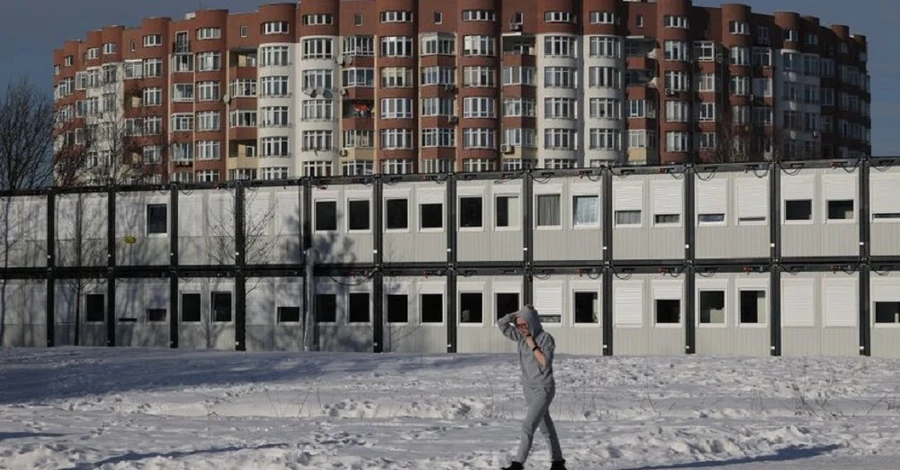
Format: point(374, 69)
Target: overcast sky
point(33, 28)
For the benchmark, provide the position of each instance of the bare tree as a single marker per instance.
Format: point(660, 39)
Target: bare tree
point(26, 130)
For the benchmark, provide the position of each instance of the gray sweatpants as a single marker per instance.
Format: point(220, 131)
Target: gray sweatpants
point(538, 416)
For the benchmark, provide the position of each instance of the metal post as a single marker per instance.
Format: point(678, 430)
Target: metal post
point(240, 279)
point(111, 268)
point(689, 259)
point(452, 241)
point(608, 272)
point(173, 267)
point(865, 272)
point(51, 266)
point(528, 235)
point(775, 256)
point(378, 260)
point(310, 292)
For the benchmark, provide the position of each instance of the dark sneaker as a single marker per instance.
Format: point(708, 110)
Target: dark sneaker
point(514, 466)
point(558, 465)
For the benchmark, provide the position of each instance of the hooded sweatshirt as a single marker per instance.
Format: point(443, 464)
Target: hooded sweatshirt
point(533, 375)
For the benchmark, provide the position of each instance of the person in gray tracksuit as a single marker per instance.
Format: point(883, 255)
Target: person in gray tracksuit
point(536, 348)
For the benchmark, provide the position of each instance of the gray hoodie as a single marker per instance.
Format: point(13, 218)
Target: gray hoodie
point(533, 375)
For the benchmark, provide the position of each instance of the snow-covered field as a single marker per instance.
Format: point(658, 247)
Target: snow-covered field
point(67, 408)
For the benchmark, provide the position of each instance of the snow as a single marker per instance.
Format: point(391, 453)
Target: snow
point(122, 408)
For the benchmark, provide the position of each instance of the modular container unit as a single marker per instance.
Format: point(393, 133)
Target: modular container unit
point(732, 213)
point(206, 231)
point(567, 219)
point(732, 313)
point(490, 220)
point(206, 307)
point(415, 222)
point(343, 314)
point(81, 229)
point(142, 312)
point(415, 314)
point(819, 212)
point(142, 228)
point(275, 314)
point(481, 301)
point(272, 225)
point(885, 313)
point(648, 216)
point(342, 223)
point(24, 313)
point(80, 304)
point(23, 220)
point(570, 309)
point(885, 210)
point(819, 313)
point(648, 314)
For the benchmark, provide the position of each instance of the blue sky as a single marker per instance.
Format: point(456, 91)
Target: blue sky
point(33, 28)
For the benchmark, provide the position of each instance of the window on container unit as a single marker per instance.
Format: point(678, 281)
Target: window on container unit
point(397, 306)
point(712, 307)
point(190, 307)
point(548, 210)
point(156, 315)
point(431, 215)
point(471, 307)
point(396, 214)
point(431, 307)
point(470, 213)
point(358, 307)
point(585, 211)
point(318, 48)
point(887, 312)
point(288, 314)
point(753, 305)
point(221, 306)
point(157, 219)
point(506, 212)
point(798, 210)
point(326, 216)
point(668, 311)
point(560, 46)
point(358, 214)
point(586, 307)
point(326, 308)
point(840, 209)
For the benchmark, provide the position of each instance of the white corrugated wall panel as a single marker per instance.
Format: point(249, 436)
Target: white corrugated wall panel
point(628, 196)
point(712, 196)
point(841, 302)
point(797, 302)
point(884, 193)
point(628, 303)
point(667, 197)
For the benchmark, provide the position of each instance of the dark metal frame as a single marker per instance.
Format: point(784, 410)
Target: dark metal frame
point(451, 269)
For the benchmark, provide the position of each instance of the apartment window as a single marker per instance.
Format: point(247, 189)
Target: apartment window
point(274, 116)
point(520, 137)
point(560, 139)
point(318, 48)
point(209, 150)
point(605, 46)
point(479, 138)
point(479, 15)
point(438, 44)
point(275, 173)
point(352, 168)
point(762, 87)
point(677, 81)
point(358, 77)
point(791, 62)
point(396, 108)
point(739, 56)
point(358, 139)
point(559, 46)
point(641, 138)
point(208, 91)
point(110, 48)
point(396, 77)
point(518, 75)
point(604, 77)
point(243, 88)
point(478, 46)
point(400, 16)
point(435, 137)
point(639, 109)
point(673, 21)
point(357, 19)
point(585, 211)
point(479, 76)
point(791, 35)
point(183, 63)
point(798, 210)
point(479, 107)
point(740, 86)
point(317, 141)
point(274, 147)
point(761, 56)
point(678, 141)
point(152, 68)
point(561, 77)
point(438, 76)
point(207, 176)
point(518, 107)
point(676, 50)
point(363, 46)
point(707, 82)
point(677, 111)
point(706, 111)
point(151, 154)
point(318, 19)
point(394, 166)
point(151, 40)
point(243, 118)
point(320, 78)
point(396, 139)
point(396, 46)
point(272, 56)
point(739, 27)
point(208, 121)
point(315, 110)
point(605, 139)
point(209, 33)
point(602, 17)
point(276, 27)
point(182, 122)
point(706, 141)
point(558, 17)
point(209, 61)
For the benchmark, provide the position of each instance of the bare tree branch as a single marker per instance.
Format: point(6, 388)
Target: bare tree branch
point(26, 130)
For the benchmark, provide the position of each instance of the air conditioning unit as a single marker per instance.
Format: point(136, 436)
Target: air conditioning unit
point(310, 91)
point(506, 148)
point(226, 98)
point(670, 92)
point(515, 26)
point(320, 91)
point(344, 90)
point(339, 59)
point(343, 152)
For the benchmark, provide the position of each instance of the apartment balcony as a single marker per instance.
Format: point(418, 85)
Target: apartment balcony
point(242, 133)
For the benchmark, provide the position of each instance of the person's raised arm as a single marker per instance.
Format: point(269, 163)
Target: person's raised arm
point(507, 326)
